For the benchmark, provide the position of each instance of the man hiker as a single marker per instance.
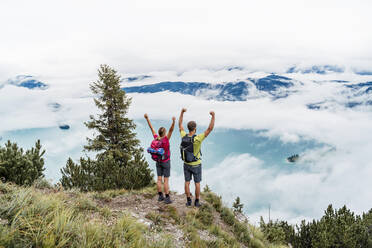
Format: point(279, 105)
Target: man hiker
point(191, 155)
point(163, 165)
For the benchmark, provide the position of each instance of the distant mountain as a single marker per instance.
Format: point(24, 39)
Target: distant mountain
point(363, 72)
point(349, 94)
point(318, 69)
point(136, 78)
point(361, 88)
point(26, 81)
point(354, 95)
point(274, 85)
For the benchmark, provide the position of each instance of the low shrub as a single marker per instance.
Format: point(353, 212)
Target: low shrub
point(42, 183)
point(19, 166)
point(214, 200)
point(205, 214)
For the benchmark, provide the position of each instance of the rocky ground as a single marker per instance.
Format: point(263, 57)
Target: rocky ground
point(144, 206)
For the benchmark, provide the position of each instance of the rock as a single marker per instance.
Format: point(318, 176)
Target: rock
point(241, 217)
point(64, 127)
point(293, 158)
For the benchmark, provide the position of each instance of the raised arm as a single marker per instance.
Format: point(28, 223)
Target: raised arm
point(181, 119)
point(169, 135)
point(211, 124)
point(148, 122)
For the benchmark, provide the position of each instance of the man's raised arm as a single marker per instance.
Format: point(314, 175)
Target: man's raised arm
point(211, 124)
point(148, 122)
point(180, 120)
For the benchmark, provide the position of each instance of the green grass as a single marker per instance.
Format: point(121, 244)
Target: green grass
point(59, 219)
point(172, 213)
point(205, 214)
point(105, 212)
point(33, 217)
point(84, 203)
point(229, 240)
point(156, 218)
point(214, 200)
point(243, 232)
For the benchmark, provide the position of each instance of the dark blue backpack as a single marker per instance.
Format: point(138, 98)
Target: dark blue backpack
point(187, 149)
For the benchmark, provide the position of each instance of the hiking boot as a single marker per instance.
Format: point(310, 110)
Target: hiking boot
point(188, 203)
point(161, 197)
point(167, 200)
point(197, 203)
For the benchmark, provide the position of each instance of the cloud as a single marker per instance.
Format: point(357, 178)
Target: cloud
point(334, 173)
point(143, 36)
point(293, 195)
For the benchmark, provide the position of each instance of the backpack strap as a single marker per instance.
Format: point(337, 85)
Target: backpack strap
point(192, 141)
point(165, 156)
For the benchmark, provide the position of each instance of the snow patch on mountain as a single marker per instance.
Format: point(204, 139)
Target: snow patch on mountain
point(25, 81)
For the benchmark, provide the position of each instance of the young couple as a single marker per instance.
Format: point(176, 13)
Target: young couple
point(190, 154)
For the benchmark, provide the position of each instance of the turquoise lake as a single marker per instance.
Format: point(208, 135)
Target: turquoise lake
point(220, 144)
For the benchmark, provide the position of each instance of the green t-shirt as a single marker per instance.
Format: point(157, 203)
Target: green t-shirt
point(197, 145)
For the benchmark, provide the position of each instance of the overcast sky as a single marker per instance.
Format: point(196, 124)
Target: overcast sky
point(70, 38)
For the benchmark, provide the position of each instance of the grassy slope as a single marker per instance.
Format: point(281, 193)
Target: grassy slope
point(51, 217)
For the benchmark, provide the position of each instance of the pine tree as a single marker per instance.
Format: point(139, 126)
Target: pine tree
point(116, 135)
point(20, 167)
point(206, 189)
point(237, 206)
point(119, 161)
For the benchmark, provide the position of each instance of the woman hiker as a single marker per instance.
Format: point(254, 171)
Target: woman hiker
point(163, 165)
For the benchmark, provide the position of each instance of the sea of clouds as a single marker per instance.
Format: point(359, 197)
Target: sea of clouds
point(337, 173)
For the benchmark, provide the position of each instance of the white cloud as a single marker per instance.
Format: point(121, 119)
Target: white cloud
point(337, 173)
point(293, 195)
point(73, 38)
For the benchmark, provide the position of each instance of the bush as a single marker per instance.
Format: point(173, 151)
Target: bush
point(205, 214)
point(227, 216)
point(214, 200)
point(20, 167)
point(275, 232)
point(105, 174)
point(42, 183)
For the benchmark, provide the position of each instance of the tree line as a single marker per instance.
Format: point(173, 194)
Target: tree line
point(337, 228)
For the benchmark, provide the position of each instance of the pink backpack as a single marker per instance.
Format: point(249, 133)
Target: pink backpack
point(157, 150)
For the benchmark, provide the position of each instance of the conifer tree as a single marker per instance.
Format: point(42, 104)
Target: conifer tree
point(20, 167)
point(119, 161)
point(115, 132)
point(206, 189)
point(237, 205)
